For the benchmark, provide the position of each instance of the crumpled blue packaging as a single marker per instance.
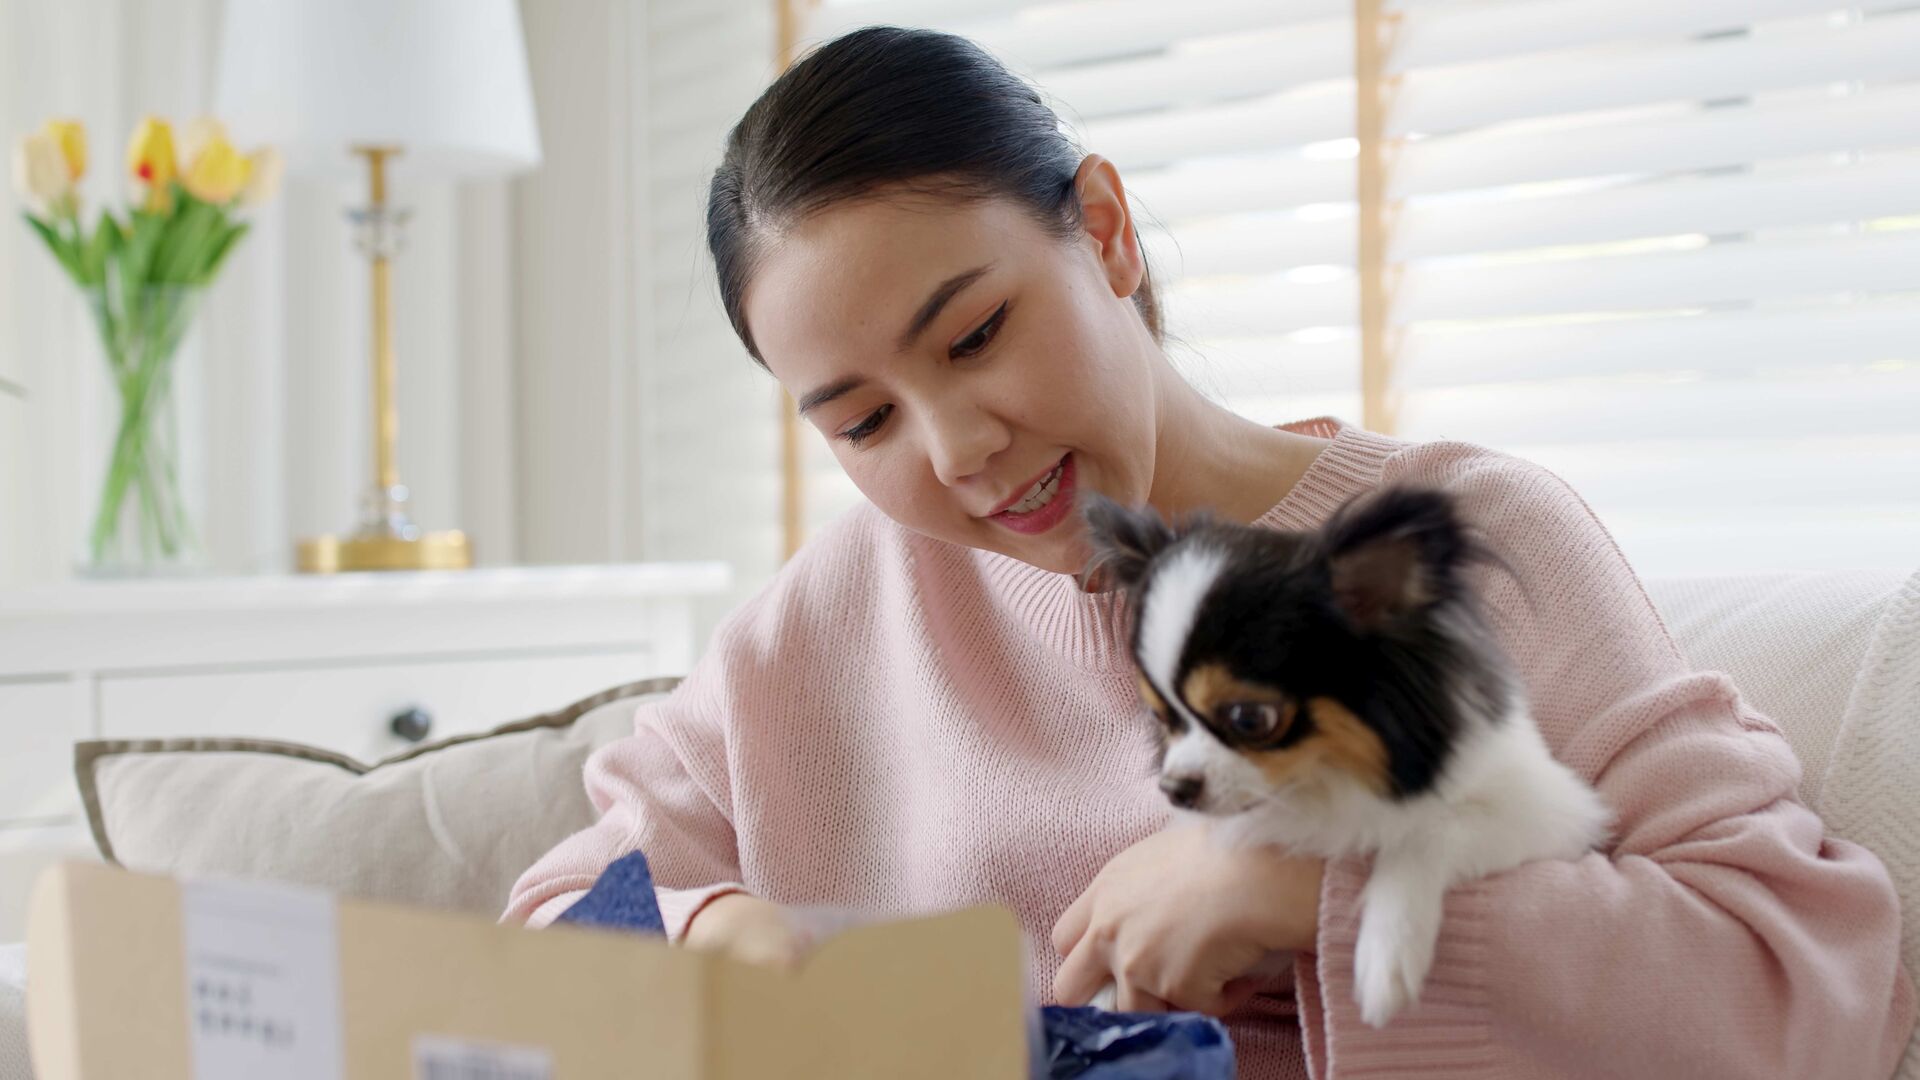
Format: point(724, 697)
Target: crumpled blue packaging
point(1068, 1043)
point(1092, 1044)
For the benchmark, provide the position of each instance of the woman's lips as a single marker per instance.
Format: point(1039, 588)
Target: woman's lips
point(1046, 517)
point(1020, 493)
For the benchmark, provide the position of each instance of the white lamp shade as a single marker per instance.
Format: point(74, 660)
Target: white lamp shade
point(443, 80)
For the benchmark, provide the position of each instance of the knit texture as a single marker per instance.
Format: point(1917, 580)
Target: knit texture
point(900, 725)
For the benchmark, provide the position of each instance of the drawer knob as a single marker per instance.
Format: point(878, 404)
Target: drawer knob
point(413, 725)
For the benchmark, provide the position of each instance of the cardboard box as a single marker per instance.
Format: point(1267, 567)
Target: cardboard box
point(137, 976)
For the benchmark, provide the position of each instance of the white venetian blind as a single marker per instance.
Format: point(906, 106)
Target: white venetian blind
point(1669, 250)
point(1672, 251)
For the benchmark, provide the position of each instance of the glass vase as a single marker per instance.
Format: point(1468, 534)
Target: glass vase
point(140, 525)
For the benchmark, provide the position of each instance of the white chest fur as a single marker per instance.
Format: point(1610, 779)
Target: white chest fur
point(1501, 801)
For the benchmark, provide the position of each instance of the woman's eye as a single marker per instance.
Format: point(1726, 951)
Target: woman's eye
point(1250, 719)
point(981, 335)
point(860, 432)
point(966, 346)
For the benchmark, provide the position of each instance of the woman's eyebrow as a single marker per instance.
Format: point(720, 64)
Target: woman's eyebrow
point(923, 318)
point(813, 399)
point(930, 310)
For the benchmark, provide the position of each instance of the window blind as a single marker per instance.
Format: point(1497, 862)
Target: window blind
point(1671, 251)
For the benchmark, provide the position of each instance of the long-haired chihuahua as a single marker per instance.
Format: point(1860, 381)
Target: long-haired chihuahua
point(1337, 693)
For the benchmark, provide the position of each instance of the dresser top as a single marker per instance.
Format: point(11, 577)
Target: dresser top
point(275, 620)
point(363, 591)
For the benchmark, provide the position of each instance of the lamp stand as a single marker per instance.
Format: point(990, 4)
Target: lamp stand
point(387, 538)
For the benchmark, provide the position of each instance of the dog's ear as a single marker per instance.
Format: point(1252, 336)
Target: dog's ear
point(1394, 553)
point(1124, 541)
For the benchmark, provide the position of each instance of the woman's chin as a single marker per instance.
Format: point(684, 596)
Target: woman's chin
point(1063, 554)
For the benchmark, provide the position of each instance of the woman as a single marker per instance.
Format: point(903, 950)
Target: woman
point(927, 710)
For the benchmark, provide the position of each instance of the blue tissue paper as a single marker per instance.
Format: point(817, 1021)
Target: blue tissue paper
point(622, 899)
point(1092, 1044)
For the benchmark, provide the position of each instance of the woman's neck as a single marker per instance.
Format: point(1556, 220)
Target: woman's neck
point(1209, 458)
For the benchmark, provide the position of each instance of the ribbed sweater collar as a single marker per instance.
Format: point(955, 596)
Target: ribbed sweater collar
point(1090, 629)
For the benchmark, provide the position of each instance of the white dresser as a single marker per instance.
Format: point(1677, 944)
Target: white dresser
point(365, 664)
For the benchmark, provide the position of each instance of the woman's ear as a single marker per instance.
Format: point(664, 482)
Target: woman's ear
point(1108, 221)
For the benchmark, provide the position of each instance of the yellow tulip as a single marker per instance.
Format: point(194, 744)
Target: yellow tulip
point(217, 171)
point(265, 167)
point(72, 137)
point(200, 134)
point(40, 173)
point(150, 160)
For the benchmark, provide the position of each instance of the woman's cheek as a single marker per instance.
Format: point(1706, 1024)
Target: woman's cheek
point(886, 476)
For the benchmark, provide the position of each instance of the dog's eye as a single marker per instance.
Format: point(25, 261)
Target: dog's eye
point(1250, 719)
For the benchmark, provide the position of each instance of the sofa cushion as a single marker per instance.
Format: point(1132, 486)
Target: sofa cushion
point(449, 824)
point(1793, 644)
point(1875, 769)
point(1834, 659)
point(14, 1064)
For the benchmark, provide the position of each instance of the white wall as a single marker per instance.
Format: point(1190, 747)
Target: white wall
point(645, 432)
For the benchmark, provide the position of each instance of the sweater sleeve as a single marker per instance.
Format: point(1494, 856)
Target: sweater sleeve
point(661, 790)
point(1722, 934)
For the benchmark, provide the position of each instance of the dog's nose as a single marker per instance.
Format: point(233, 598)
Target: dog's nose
point(1182, 791)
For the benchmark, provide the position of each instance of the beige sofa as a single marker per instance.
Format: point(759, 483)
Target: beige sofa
point(1833, 658)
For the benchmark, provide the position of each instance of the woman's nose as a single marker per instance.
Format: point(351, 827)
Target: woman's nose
point(961, 440)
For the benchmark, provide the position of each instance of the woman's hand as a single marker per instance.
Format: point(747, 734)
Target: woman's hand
point(750, 929)
point(1178, 920)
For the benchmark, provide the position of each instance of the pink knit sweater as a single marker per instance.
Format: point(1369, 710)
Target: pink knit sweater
point(900, 725)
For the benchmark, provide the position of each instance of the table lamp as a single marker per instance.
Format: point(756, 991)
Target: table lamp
point(426, 88)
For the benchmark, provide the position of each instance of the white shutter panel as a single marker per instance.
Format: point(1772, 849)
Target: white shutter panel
point(707, 465)
point(1670, 250)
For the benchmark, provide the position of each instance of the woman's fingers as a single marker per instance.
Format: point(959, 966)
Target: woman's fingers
point(1083, 973)
point(1073, 924)
point(1238, 992)
point(770, 945)
point(1134, 999)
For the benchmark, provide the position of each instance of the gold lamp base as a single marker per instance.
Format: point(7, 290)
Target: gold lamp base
point(387, 538)
point(432, 551)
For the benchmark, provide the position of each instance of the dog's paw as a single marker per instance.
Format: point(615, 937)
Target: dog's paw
point(1390, 963)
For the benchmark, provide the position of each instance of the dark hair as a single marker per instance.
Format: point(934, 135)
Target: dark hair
point(887, 107)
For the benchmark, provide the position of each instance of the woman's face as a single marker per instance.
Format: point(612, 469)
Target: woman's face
point(974, 374)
